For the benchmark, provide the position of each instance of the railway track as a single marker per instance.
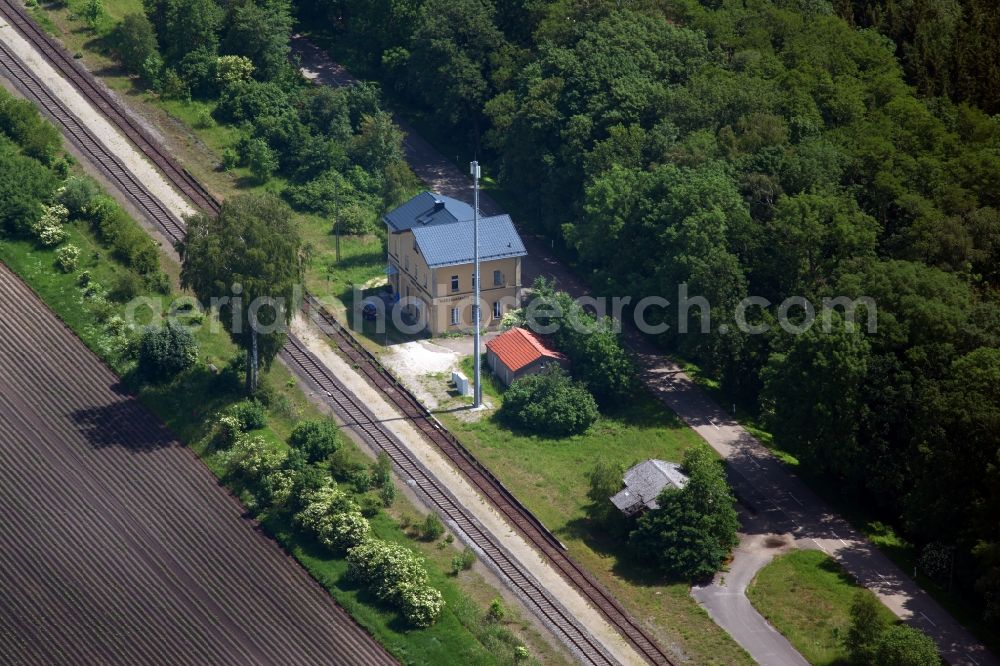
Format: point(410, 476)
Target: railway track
point(348, 408)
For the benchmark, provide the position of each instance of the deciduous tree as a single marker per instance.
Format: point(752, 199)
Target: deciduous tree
point(248, 261)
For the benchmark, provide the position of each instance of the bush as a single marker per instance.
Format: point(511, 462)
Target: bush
point(134, 42)
point(93, 13)
point(277, 487)
point(250, 101)
point(432, 528)
point(316, 439)
point(230, 159)
point(159, 282)
point(260, 159)
point(382, 470)
point(692, 532)
point(905, 646)
point(370, 506)
point(127, 286)
point(198, 69)
point(77, 193)
point(164, 351)
point(421, 604)
point(463, 561)
point(128, 241)
point(362, 480)
point(342, 467)
point(252, 457)
point(230, 69)
point(549, 403)
point(228, 430)
point(346, 530)
point(605, 479)
point(49, 229)
point(250, 413)
point(387, 494)
point(24, 185)
point(867, 626)
point(67, 258)
point(322, 502)
point(394, 574)
point(306, 481)
point(152, 70)
point(21, 121)
point(496, 612)
point(172, 86)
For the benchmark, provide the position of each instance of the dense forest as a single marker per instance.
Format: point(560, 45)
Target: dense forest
point(768, 148)
point(947, 47)
point(337, 150)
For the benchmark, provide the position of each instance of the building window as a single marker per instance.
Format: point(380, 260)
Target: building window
point(406, 263)
point(496, 310)
point(455, 317)
point(497, 279)
point(473, 279)
point(454, 283)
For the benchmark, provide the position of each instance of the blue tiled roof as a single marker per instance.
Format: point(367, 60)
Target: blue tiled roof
point(451, 244)
point(427, 209)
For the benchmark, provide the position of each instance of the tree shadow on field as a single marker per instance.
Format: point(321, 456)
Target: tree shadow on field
point(123, 423)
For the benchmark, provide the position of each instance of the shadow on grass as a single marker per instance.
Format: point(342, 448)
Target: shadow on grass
point(187, 403)
point(612, 541)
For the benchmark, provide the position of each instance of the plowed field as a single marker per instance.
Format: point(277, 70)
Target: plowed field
point(117, 546)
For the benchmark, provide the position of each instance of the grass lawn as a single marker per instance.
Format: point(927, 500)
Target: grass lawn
point(807, 596)
point(550, 477)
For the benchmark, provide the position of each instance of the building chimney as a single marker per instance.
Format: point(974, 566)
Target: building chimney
point(438, 205)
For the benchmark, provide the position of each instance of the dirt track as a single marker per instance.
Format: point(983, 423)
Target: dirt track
point(117, 546)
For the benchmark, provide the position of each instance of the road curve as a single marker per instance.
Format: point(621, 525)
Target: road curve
point(725, 600)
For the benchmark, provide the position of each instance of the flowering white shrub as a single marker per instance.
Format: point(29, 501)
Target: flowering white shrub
point(49, 227)
point(229, 428)
point(421, 604)
point(385, 566)
point(396, 575)
point(67, 258)
point(55, 214)
point(345, 531)
point(253, 457)
point(233, 68)
point(278, 486)
point(320, 505)
point(51, 235)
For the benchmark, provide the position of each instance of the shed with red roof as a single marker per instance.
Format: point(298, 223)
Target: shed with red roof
point(520, 352)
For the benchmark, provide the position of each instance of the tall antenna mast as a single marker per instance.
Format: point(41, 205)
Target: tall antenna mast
point(476, 356)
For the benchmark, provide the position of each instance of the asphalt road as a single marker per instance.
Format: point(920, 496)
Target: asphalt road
point(725, 600)
point(780, 501)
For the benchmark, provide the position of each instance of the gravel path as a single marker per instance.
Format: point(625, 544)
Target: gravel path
point(118, 546)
